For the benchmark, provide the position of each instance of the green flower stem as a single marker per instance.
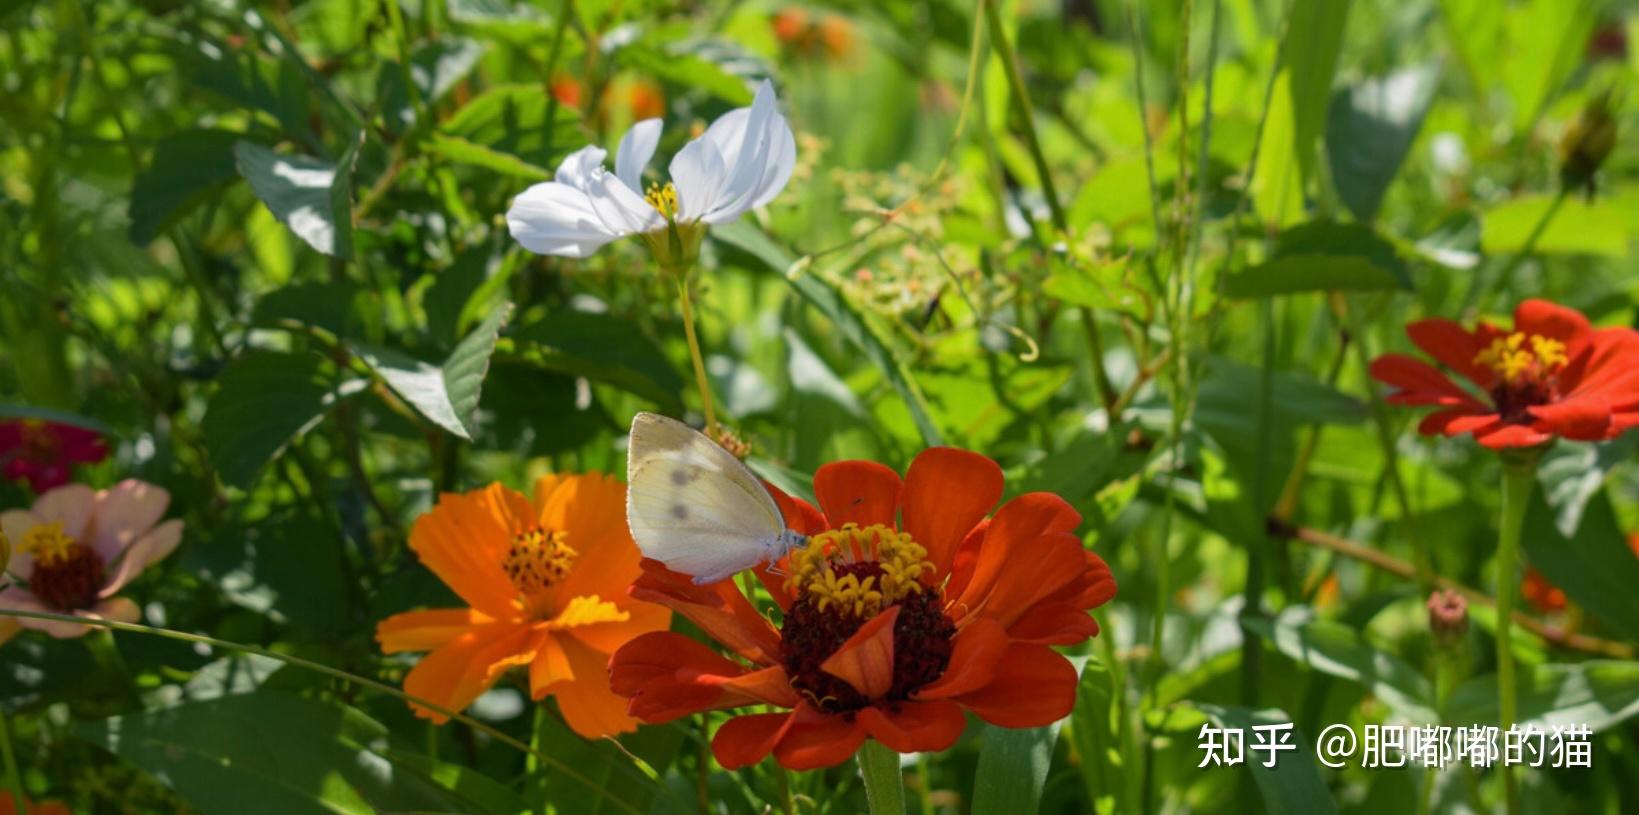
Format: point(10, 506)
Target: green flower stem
point(1527, 249)
point(1518, 478)
point(884, 785)
point(14, 779)
point(694, 353)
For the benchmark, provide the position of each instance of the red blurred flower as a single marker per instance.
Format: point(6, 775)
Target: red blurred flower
point(1552, 376)
point(44, 453)
point(890, 630)
point(1543, 596)
point(8, 806)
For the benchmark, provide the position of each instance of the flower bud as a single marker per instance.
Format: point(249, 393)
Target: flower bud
point(1586, 143)
point(1447, 616)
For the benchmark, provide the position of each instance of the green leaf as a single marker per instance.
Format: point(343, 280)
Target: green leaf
point(831, 302)
point(696, 67)
point(1277, 181)
point(1578, 228)
point(186, 167)
point(8, 411)
point(1012, 768)
point(263, 400)
point(1095, 734)
point(336, 307)
point(601, 348)
point(1369, 131)
point(461, 151)
point(513, 119)
point(1294, 785)
point(1337, 650)
point(1323, 256)
point(276, 754)
point(435, 68)
point(1100, 285)
point(312, 197)
point(1598, 693)
point(1313, 41)
point(1593, 565)
point(447, 394)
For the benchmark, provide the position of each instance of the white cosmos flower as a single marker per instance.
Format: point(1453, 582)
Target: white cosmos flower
point(740, 163)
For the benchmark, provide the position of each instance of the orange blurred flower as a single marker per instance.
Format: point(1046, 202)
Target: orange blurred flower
point(546, 583)
point(1543, 596)
point(1552, 376)
point(566, 89)
point(890, 629)
point(805, 35)
point(8, 806)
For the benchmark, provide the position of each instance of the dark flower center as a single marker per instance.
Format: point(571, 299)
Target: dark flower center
point(67, 574)
point(1527, 368)
point(40, 445)
point(843, 579)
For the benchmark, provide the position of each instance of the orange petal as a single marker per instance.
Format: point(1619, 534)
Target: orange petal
point(814, 740)
point(457, 673)
point(865, 660)
point(915, 727)
point(426, 630)
point(861, 492)
point(592, 510)
point(550, 667)
point(717, 608)
point(746, 740)
point(1012, 542)
point(641, 618)
point(979, 646)
point(588, 705)
point(1033, 686)
point(463, 542)
point(947, 493)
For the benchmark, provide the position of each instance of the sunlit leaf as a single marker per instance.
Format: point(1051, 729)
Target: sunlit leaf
point(312, 197)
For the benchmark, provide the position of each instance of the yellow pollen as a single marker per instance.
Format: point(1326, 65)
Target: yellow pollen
point(663, 199)
point(815, 568)
point(48, 544)
point(538, 560)
point(1520, 356)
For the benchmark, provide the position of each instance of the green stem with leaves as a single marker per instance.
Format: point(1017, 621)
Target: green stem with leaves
point(884, 784)
point(14, 779)
point(1519, 472)
point(699, 359)
point(1526, 249)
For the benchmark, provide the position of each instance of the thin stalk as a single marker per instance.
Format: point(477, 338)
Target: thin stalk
point(336, 673)
point(884, 785)
point(782, 779)
point(1518, 478)
point(1252, 609)
point(1500, 282)
point(1021, 105)
point(14, 779)
point(395, 18)
point(694, 354)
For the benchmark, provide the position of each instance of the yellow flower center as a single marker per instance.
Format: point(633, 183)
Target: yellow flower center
point(663, 199)
point(1521, 357)
point(48, 544)
point(538, 560)
point(827, 568)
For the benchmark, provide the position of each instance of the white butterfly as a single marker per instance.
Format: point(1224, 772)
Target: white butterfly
point(694, 507)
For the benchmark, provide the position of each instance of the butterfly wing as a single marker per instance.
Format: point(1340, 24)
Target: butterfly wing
point(693, 506)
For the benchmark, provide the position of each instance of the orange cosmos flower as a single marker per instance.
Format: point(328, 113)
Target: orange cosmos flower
point(546, 583)
point(907, 607)
point(1553, 375)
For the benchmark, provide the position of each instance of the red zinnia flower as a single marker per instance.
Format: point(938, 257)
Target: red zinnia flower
point(1553, 375)
point(907, 606)
point(44, 453)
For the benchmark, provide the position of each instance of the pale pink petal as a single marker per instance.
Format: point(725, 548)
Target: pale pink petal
point(70, 505)
point(150, 549)
point(117, 609)
point(124, 513)
point(14, 524)
point(20, 600)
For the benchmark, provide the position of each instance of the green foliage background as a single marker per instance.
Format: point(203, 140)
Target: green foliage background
point(262, 246)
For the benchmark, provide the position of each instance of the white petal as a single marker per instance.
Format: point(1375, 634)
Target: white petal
point(553, 218)
point(758, 151)
point(778, 172)
point(697, 172)
point(623, 210)
point(636, 148)
point(580, 168)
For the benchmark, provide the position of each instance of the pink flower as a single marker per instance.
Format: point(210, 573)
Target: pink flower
point(43, 453)
point(76, 548)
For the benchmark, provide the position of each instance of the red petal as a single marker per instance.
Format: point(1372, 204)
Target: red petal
point(1554, 321)
point(1011, 542)
point(668, 675)
point(1033, 687)
point(978, 648)
point(718, 608)
point(745, 740)
point(915, 727)
point(865, 660)
point(1454, 346)
point(817, 740)
point(1586, 418)
point(947, 493)
point(1511, 435)
point(1054, 624)
point(861, 492)
point(1419, 383)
